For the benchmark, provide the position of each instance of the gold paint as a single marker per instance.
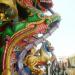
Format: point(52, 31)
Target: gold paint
point(22, 34)
point(11, 4)
point(31, 60)
point(2, 16)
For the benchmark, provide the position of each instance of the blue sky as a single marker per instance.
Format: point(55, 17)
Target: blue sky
point(63, 39)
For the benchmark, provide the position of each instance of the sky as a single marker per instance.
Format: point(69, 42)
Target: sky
point(63, 39)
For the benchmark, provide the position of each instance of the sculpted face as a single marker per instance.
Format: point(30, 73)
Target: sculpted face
point(7, 10)
point(6, 15)
point(3, 8)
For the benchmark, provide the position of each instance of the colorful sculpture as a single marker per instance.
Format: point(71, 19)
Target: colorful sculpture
point(19, 33)
point(35, 59)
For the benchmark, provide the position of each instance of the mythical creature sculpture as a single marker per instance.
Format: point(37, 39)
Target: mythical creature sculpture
point(35, 59)
point(17, 26)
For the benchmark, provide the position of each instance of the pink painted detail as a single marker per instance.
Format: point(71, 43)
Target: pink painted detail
point(41, 28)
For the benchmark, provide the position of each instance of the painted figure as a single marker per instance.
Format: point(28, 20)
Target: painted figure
point(20, 23)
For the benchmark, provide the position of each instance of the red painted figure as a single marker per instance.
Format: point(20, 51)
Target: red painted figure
point(42, 4)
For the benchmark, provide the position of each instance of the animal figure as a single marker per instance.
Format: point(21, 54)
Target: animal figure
point(35, 59)
point(20, 35)
point(34, 23)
